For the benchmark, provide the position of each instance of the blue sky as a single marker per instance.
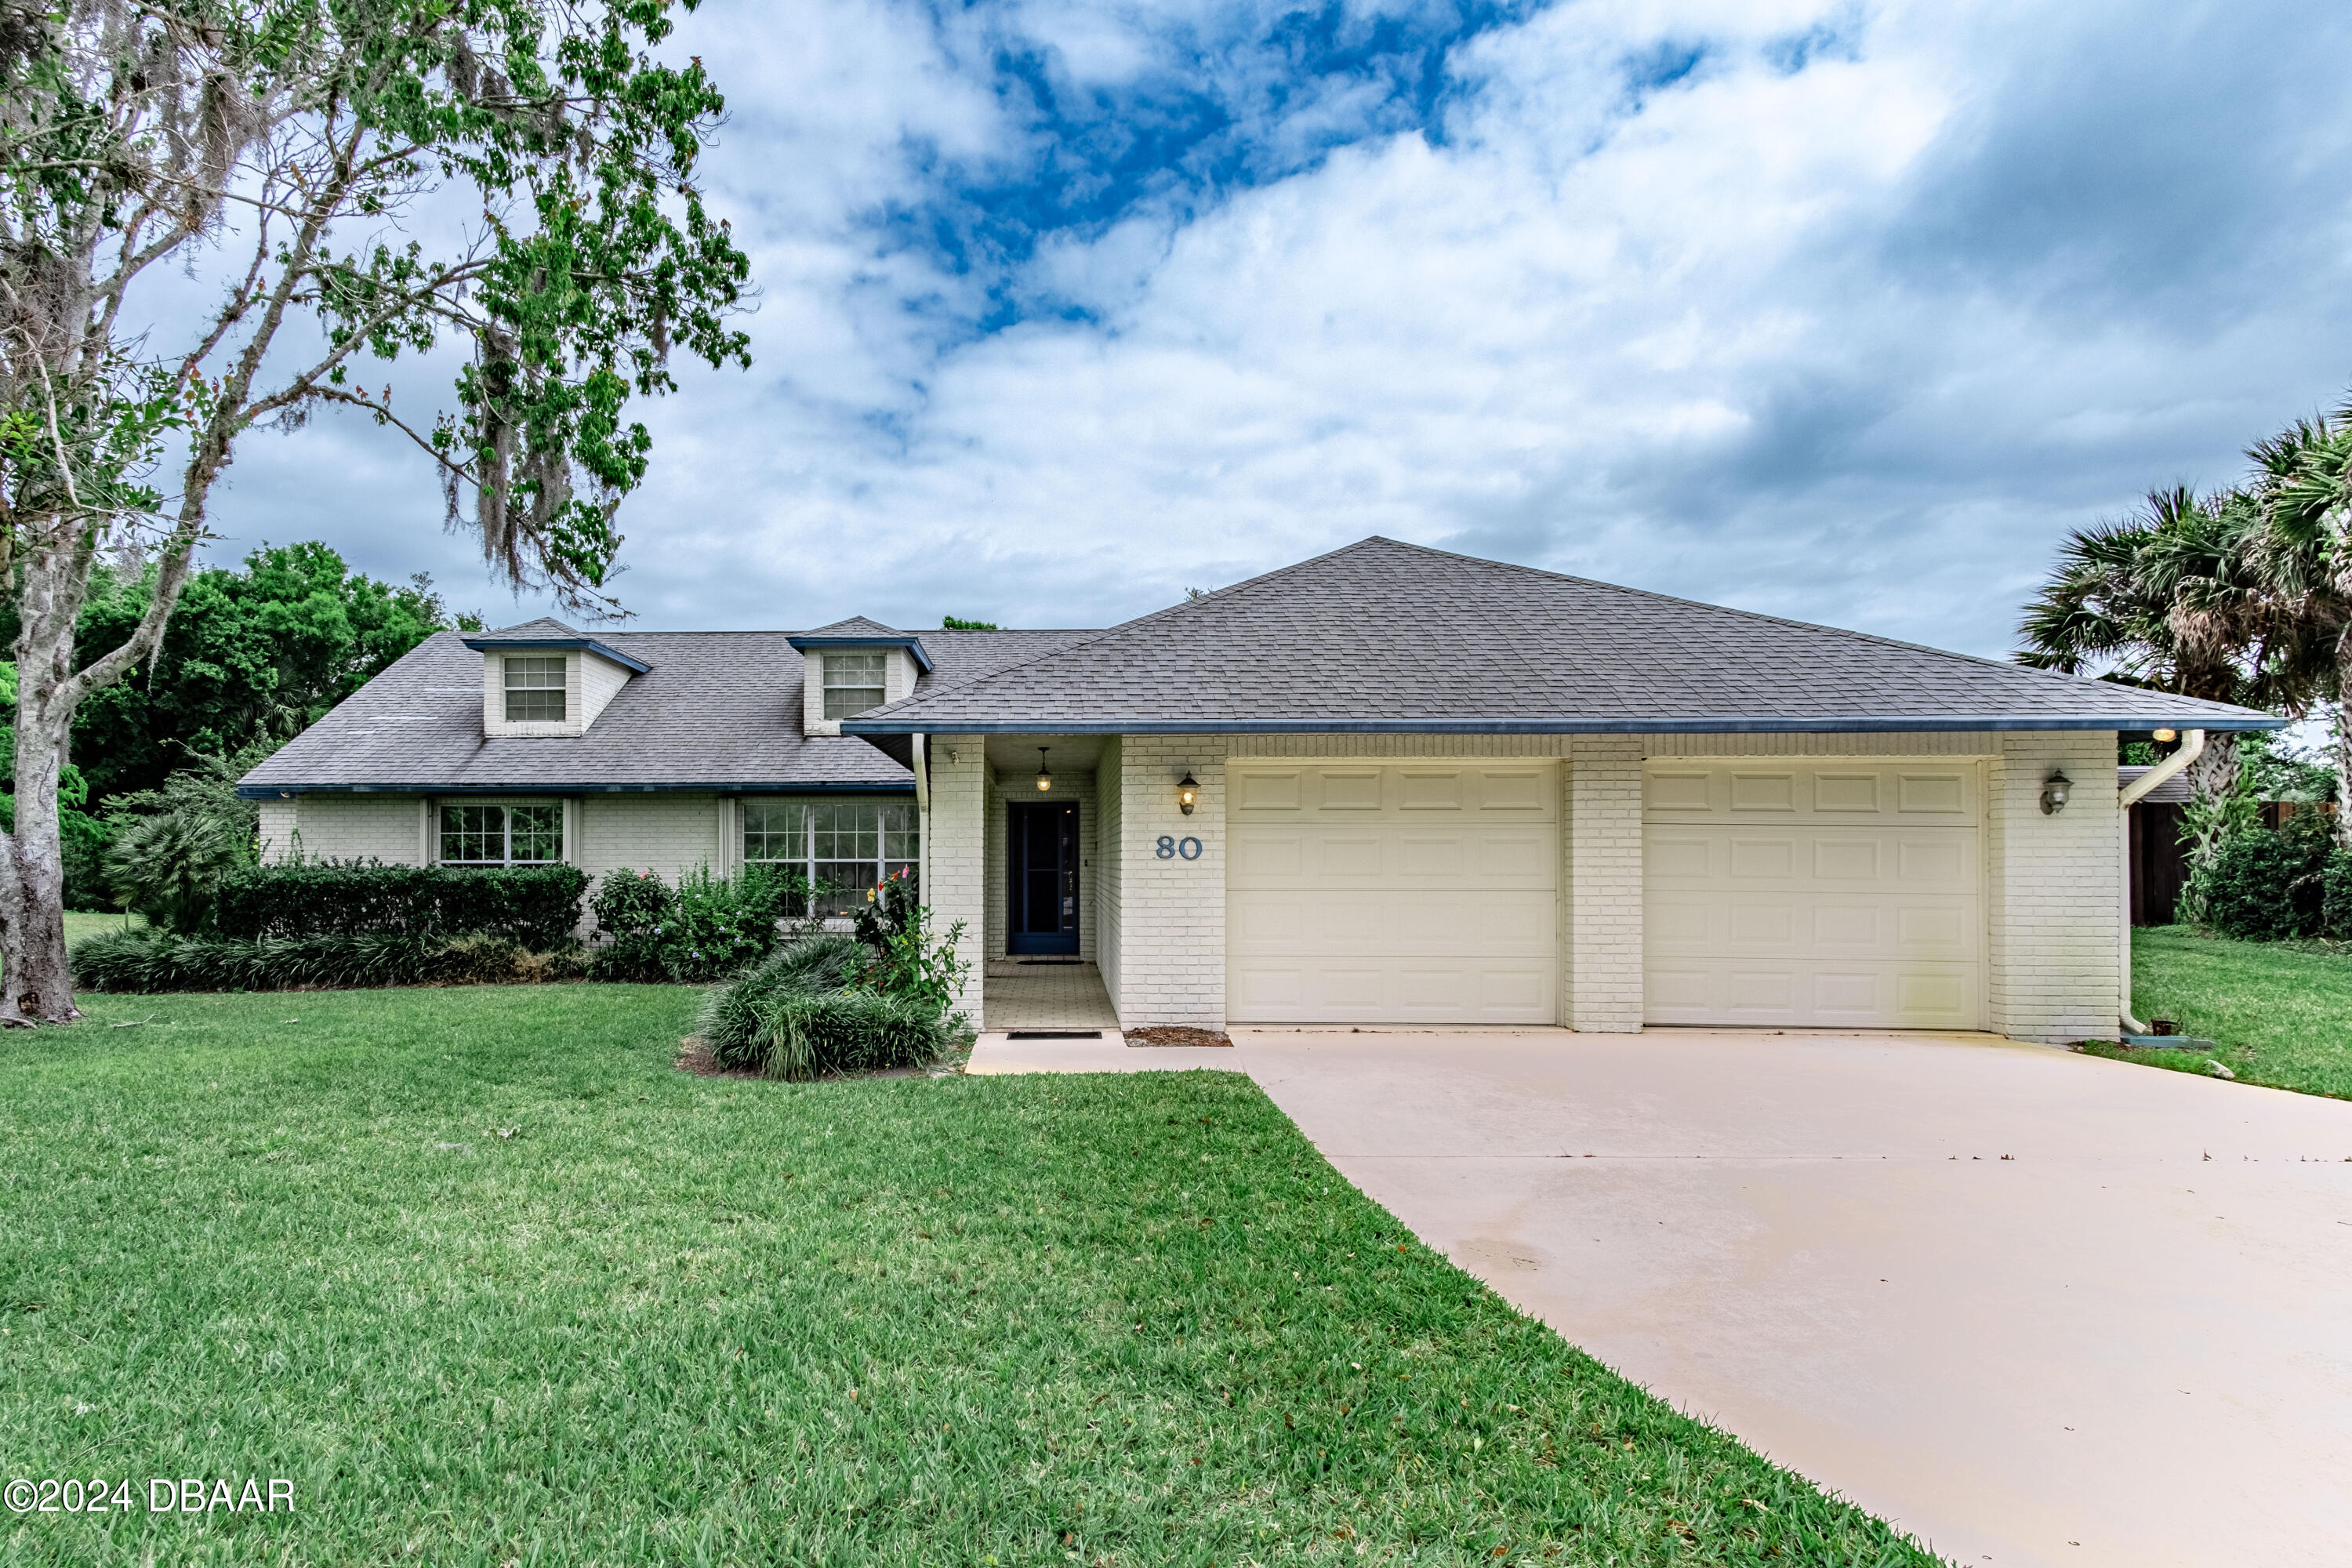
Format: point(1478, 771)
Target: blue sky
point(1840, 311)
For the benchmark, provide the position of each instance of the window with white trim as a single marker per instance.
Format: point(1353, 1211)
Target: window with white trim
point(528, 834)
point(847, 845)
point(853, 683)
point(534, 685)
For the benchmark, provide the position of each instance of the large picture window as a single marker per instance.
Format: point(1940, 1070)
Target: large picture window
point(843, 847)
point(853, 683)
point(502, 834)
point(534, 689)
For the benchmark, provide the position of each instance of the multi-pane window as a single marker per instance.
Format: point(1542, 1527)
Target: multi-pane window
point(534, 689)
point(846, 846)
point(853, 683)
point(501, 835)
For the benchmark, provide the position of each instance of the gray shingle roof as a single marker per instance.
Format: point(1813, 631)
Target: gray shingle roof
point(1382, 636)
point(714, 708)
point(855, 626)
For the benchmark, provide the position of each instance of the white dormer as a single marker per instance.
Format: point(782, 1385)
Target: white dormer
point(852, 665)
point(544, 679)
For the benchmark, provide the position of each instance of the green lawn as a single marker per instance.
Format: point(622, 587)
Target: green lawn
point(81, 924)
point(2283, 1015)
point(487, 1281)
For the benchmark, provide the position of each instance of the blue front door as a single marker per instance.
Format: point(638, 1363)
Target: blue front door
point(1043, 879)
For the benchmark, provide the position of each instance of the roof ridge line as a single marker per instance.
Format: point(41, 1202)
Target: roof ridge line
point(1136, 621)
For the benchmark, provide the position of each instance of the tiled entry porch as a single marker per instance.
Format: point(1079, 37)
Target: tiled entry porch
point(1016, 995)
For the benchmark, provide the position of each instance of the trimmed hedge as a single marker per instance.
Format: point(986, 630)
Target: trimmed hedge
point(151, 959)
point(537, 906)
point(795, 1017)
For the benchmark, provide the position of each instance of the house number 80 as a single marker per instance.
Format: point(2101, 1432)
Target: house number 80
point(1190, 848)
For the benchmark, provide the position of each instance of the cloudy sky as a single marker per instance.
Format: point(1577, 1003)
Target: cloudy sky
point(1840, 311)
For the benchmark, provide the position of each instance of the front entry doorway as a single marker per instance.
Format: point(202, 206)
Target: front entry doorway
point(1043, 883)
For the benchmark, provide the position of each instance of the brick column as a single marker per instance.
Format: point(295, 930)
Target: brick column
point(954, 848)
point(1602, 946)
point(1170, 964)
point(2053, 884)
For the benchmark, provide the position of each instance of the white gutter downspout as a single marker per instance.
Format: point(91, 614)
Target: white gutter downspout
point(922, 781)
point(2192, 746)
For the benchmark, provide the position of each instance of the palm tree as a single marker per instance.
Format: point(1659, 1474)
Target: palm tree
point(2301, 489)
point(2170, 599)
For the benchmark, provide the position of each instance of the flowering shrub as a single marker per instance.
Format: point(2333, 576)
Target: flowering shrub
point(903, 961)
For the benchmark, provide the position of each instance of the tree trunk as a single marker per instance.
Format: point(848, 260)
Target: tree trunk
point(31, 888)
point(2214, 774)
point(2343, 777)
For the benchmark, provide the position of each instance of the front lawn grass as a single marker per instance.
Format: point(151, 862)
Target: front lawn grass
point(489, 1282)
point(2281, 1015)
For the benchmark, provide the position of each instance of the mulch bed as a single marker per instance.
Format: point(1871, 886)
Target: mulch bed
point(1173, 1034)
point(694, 1057)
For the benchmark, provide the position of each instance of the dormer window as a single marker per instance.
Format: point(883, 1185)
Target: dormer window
point(853, 683)
point(534, 685)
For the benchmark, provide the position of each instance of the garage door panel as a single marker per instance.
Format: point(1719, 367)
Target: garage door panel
point(1843, 892)
point(1406, 893)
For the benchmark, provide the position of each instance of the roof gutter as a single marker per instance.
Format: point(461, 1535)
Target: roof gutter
point(526, 787)
point(1722, 725)
point(2192, 746)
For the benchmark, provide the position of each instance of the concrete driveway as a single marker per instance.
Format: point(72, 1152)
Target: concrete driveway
point(2031, 1306)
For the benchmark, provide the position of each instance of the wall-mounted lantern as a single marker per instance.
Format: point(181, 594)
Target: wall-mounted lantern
point(2055, 790)
point(2166, 737)
point(1187, 793)
point(1044, 774)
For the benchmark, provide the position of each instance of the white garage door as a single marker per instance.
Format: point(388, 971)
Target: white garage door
point(1829, 892)
point(1417, 892)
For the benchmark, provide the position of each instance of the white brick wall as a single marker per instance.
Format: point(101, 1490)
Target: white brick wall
point(955, 844)
point(386, 827)
point(1109, 794)
point(2053, 887)
point(1171, 914)
point(1603, 948)
point(665, 833)
point(280, 823)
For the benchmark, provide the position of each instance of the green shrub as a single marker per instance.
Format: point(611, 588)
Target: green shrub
point(806, 1014)
point(152, 960)
point(847, 1031)
point(2335, 893)
point(2263, 884)
point(902, 959)
point(705, 929)
point(814, 965)
point(537, 906)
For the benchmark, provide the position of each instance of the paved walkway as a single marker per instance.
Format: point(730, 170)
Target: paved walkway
point(2033, 1307)
point(1016, 995)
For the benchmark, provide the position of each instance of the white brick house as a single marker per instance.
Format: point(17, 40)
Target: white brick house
point(1386, 786)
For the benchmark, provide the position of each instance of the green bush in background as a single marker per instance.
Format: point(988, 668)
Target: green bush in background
point(2266, 883)
point(707, 928)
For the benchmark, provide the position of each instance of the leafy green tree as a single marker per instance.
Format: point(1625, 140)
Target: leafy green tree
point(257, 651)
point(958, 623)
point(314, 145)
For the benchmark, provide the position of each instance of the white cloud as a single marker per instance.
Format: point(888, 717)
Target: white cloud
point(1855, 342)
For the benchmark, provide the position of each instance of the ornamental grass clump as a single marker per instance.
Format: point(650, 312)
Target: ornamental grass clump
point(831, 1004)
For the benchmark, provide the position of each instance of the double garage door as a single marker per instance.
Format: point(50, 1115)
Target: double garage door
point(1830, 892)
point(1827, 892)
point(1370, 892)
